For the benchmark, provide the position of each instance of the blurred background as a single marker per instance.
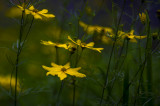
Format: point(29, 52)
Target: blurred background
point(37, 89)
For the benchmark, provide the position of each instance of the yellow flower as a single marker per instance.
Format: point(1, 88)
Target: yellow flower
point(92, 29)
point(54, 44)
point(131, 37)
point(62, 71)
point(6, 80)
point(84, 45)
point(142, 17)
point(69, 46)
point(36, 13)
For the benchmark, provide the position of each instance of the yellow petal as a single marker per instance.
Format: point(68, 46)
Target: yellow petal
point(78, 42)
point(48, 15)
point(67, 66)
point(31, 8)
point(48, 43)
point(52, 68)
point(27, 11)
point(54, 65)
point(131, 32)
point(36, 16)
point(62, 46)
point(107, 29)
point(43, 11)
point(71, 39)
point(73, 72)
point(140, 37)
point(97, 49)
point(20, 7)
point(106, 40)
point(91, 44)
point(62, 75)
point(131, 36)
point(82, 24)
point(53, 73)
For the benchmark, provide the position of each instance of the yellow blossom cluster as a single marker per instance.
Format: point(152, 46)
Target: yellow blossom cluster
point(36, 13)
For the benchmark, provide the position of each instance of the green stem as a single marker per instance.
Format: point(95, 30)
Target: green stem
point(110, 58)
point(74, 91)
point(17, 57)
point(74, 80)
point(59, 93)
point(27, 34)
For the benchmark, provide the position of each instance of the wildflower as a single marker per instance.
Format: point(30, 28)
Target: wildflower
point(131, 37)
point(69, 46)
point(6, 80)
point(36, 13)
point(142, 17)
point(54, 44)
point(62, 71)
point(92, 29)
point(106, 40)
point(84, 45)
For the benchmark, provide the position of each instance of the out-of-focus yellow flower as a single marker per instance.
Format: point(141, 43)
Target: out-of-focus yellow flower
point(62, 71)
point(84, 45)
point(92, 29)
point(131, 37)
point(69, 46)
point(142, 17)
point(5, 82)
point(54, 44)
point(106, 40)
point(13, 12)
point(36, 13)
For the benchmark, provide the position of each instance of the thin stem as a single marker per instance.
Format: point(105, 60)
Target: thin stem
point(74, 91)
point(59, 93)
point(141, 68)
point(74, 80)
point(27, 34)
point(140, 81)
point(17, 58)
point(110, 58)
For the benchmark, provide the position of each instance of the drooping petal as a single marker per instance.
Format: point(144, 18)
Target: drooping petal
point(37, 16)
point(74, 72)
point(97, 49)
point(62, 75)
point(53, 73)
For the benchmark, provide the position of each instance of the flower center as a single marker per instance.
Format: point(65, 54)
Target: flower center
point(63, 69)
point(35, 10)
